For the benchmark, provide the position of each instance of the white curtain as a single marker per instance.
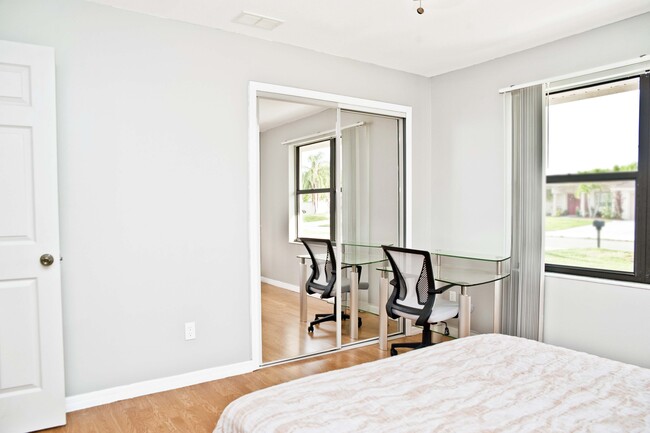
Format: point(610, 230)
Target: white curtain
point(522, 308)
point(356, 185)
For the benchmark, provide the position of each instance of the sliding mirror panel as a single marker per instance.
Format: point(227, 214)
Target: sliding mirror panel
point(372, 209)
point(297, 196)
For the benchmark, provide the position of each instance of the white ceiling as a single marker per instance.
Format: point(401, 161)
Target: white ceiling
point(451, 34)
point(273, 113)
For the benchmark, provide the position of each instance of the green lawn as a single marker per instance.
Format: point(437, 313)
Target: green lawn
point(563, 223)
point(598, 258)
point(312, 218)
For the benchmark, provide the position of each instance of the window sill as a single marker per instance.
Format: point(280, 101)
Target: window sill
point(593, 280)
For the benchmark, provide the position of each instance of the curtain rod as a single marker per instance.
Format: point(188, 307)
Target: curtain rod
point(636, 61)
point(324, 133)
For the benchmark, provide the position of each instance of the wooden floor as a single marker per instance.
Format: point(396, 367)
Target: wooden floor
point(285, 336)
point(197, 408)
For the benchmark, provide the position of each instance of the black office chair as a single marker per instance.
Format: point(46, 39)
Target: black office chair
point(414, 293)
point(323, 279)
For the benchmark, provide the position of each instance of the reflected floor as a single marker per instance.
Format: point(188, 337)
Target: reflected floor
point(285, 336)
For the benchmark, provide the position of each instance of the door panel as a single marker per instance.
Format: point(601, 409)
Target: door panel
point(16, 184)
point(14, 84)
point(19, 357)
point(32, 394)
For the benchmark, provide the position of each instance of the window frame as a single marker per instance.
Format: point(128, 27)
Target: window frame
point(331, 190)
point(641, 177)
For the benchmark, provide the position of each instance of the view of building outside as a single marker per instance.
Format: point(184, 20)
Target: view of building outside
point(590, 224)
point(314, 207)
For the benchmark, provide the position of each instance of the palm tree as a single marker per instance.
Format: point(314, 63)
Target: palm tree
point(317, 176)
point(587, 190)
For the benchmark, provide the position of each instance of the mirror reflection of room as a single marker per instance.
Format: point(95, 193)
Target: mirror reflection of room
point(298, 200)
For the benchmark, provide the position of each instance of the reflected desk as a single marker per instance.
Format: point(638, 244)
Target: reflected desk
point(464, 277)
point(353, 255)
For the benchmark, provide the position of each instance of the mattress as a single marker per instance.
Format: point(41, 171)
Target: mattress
point(484, 383)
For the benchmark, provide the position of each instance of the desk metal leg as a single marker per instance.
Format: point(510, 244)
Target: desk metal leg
point(303, 292)
point(354, 303)
point(383, 315)
point(464, 315)
point(498, 290)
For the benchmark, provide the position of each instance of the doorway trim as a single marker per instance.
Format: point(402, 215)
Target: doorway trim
point(256, 89)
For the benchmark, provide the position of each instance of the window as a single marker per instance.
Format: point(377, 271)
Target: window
point(597, 180)
point(315, 195)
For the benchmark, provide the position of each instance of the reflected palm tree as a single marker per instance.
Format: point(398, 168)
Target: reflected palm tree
point(317, 176)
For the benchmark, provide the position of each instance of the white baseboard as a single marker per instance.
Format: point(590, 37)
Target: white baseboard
point(110, 395)
point(374, 309)
point(280, 284)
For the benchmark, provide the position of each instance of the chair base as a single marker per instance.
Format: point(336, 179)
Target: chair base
point(426, 340)
point(394, 347)
point(320, 318)
point(324, 317)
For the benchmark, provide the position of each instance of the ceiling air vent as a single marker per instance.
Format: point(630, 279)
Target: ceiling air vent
point(259, 21)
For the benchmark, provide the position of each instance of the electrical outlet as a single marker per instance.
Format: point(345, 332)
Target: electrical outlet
point(452, 296)
point(190, 330)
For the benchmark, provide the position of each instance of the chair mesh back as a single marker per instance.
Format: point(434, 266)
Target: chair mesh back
point(412, 279)
point(327, 267)
point(422, 287)
point(323, 271)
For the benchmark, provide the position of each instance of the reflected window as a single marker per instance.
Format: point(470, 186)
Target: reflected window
point(315, 197)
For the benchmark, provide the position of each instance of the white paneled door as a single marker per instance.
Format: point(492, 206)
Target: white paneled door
point(32, 394)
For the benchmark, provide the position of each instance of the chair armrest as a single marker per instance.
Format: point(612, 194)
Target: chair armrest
point(443, 289)
point(426, 310)
point(359, 268)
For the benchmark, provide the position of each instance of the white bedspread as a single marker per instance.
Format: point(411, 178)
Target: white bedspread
point(486, 383)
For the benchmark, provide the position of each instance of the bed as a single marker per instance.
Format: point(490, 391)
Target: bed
point(484, 383)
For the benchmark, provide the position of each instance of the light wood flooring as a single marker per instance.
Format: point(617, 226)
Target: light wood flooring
point(197, 408)
point(285, 336)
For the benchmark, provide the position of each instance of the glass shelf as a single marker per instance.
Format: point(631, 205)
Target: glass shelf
point(470, 256)
point(460, 276)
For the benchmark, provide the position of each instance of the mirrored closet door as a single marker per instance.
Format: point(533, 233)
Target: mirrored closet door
point(297, 145)
point(371, 149)
point(343, 198)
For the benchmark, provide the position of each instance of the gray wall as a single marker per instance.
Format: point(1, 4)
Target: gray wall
point(470, 179)
point(152, 133)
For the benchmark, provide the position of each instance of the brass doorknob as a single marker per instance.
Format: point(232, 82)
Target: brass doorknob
point(47, 259)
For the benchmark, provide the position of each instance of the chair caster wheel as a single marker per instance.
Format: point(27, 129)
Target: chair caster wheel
point(310, 329)
point(446, 331)
point(393, 352)
point(359, 321)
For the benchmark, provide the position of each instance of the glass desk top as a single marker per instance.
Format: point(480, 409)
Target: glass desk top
point(470, 255)
point(466, 277)
point(362, 254)
point(356, 255)
point(359, 254)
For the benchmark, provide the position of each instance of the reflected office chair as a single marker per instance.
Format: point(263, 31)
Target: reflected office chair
point(415, 295)
point(323, 279)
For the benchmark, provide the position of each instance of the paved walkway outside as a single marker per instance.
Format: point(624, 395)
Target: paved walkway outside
point(615, 235)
